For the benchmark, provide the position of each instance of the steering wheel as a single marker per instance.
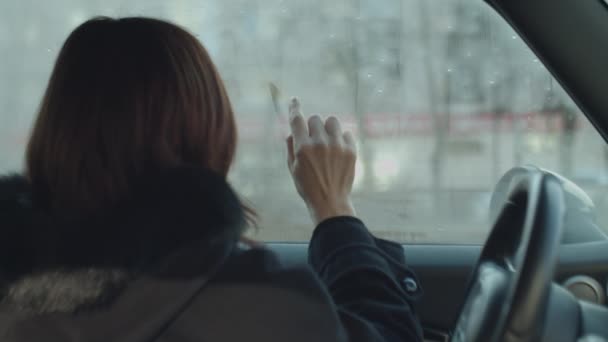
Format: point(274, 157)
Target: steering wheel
point(508, 293)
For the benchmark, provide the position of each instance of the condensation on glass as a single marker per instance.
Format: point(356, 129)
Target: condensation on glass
point(443, 96)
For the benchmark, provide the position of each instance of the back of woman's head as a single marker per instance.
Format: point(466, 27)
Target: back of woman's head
point(126, 95)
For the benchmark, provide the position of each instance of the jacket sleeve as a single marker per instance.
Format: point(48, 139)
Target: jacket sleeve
point(367, 280)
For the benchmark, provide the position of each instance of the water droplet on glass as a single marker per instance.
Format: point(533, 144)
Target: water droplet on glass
point(492, 82)
point(380, 91)
point(369, 75)
point(450, 27)
point(357, 18)
point(48, 50)
point(469, 54)
point(332, 36)
point(535, 60)
point(449, 70)
point(513, 37)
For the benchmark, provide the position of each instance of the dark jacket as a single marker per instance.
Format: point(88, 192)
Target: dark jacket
point(166, 265)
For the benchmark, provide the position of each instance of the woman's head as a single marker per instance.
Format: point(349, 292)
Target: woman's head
point(126, 95)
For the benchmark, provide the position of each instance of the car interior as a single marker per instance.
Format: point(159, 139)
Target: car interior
point(527, 279)
point(541, 272)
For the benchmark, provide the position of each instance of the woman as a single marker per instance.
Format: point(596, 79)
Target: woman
point(123, 227)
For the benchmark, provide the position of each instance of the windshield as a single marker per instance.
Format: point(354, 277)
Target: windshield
point(442, 95)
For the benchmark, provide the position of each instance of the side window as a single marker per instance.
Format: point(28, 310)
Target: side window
point(443, 96)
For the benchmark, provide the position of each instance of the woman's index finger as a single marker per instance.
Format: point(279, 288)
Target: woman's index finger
point(299, 129)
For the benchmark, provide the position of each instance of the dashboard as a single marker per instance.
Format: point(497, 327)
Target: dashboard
point(444, 270)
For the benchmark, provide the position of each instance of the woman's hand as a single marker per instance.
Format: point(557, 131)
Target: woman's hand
point(322, 163)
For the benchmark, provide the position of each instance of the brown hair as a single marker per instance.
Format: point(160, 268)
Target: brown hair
point(127, 94)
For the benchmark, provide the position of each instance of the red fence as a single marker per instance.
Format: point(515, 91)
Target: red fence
point(379, 125)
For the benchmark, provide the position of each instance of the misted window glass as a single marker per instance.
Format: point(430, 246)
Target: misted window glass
point(443, 96)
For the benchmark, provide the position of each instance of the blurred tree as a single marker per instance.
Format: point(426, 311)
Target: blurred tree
point(437, 99)
point(348, 61)
point(501, 89)
point(557, 105)
point(359, 100)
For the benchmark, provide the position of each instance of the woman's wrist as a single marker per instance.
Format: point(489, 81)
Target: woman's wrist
point(322, 212)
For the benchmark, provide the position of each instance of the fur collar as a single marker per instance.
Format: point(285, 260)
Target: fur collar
point(53, 265)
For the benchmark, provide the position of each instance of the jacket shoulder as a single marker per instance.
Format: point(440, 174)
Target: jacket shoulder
point(260, 266)
point(14, 192)
point(262, 300)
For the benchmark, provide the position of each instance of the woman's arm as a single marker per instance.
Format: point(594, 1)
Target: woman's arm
point(365, 276)
point(366, 282)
